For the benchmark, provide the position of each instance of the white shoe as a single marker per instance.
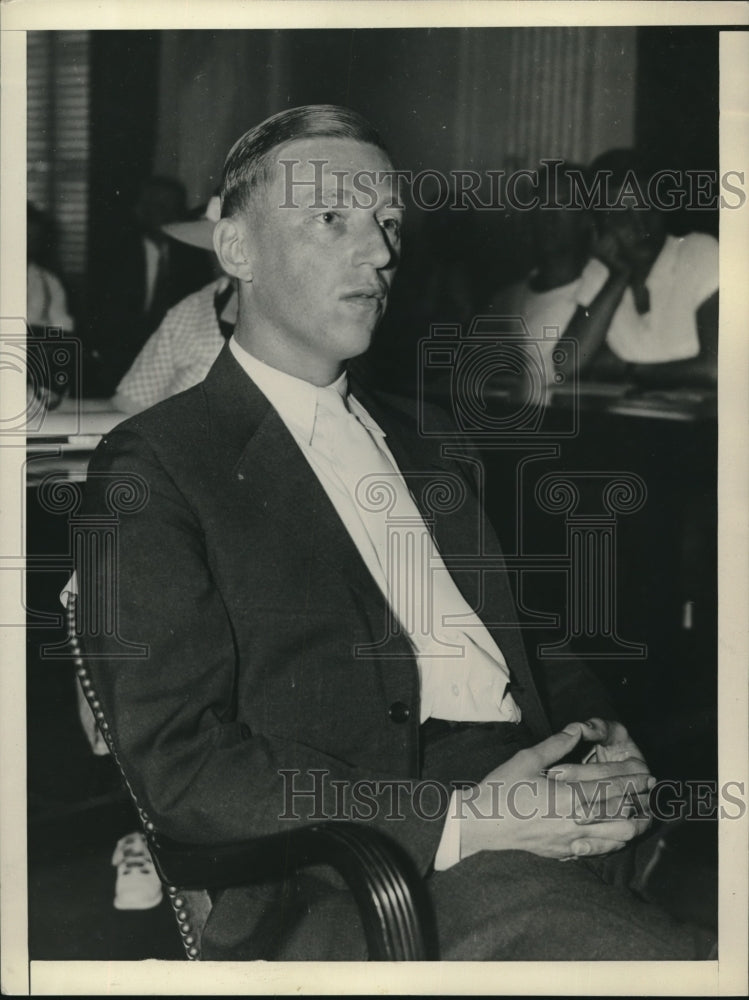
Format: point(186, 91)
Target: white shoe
point(138, 886)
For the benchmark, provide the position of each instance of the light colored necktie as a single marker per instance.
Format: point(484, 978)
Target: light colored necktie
point(418, 587)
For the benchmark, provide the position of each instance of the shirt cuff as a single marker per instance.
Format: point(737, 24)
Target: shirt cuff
point(448, 852)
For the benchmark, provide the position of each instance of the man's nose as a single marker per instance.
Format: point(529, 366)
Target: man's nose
point(374, 247)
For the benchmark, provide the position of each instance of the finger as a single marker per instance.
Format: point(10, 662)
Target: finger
point(641, 803)
point(590, 848)
point(600, 771)
point(620, 807)
point(552, 749)
point(615, 829)
point(631, 802)
point(594, 801)
point(622, 830)
point(596, 730)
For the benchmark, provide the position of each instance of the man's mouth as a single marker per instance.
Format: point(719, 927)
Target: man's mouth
point(369, 295)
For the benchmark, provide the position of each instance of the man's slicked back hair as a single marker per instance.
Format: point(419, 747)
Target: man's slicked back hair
point(250, 161)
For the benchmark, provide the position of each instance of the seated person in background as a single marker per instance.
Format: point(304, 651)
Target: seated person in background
point(46, 308)
point(142, 274)
point(654, 317)
point(46, 302)
point(560, 282)
point(181, 351)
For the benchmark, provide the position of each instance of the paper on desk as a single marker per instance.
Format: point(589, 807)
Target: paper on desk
point(589, 388)
point(63, 424)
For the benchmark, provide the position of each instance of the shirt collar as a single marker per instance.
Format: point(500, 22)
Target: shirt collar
point(294, 399)
point(361, 414)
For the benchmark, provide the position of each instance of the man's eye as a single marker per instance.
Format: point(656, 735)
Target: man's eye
point(392, 226)
point(328, 218)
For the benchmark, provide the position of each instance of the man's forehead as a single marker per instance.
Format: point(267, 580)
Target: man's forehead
point(328, 158)
point(326, 172)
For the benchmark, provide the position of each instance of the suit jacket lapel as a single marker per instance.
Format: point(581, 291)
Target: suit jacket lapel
point(267, 464)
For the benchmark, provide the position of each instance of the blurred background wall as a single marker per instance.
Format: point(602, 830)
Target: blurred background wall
point(443, 99)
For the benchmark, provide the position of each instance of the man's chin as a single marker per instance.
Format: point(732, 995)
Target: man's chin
point(354, 343)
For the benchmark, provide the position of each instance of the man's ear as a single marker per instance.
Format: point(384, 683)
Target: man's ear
point(230, 244)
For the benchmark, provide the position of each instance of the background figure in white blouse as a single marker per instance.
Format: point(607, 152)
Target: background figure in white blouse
point(654, 317)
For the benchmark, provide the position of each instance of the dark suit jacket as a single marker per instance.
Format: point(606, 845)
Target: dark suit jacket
point(251, 597)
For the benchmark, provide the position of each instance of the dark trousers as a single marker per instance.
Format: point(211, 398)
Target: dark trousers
point(495, 905)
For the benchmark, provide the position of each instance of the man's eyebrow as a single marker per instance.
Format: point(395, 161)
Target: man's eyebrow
point(326, 191)
point(342, 195)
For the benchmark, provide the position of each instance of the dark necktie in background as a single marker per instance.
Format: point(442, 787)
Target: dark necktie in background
point(641, 295)
point(160, 297)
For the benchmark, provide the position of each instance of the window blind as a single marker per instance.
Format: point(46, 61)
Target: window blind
point(58, 142)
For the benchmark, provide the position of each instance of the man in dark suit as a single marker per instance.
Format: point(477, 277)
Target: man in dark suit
point(143, 273)
point(289, 674)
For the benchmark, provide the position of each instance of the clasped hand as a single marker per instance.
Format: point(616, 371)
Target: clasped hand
point(563, 811)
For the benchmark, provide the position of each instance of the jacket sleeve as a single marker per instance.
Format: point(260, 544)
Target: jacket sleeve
point(174, 712)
